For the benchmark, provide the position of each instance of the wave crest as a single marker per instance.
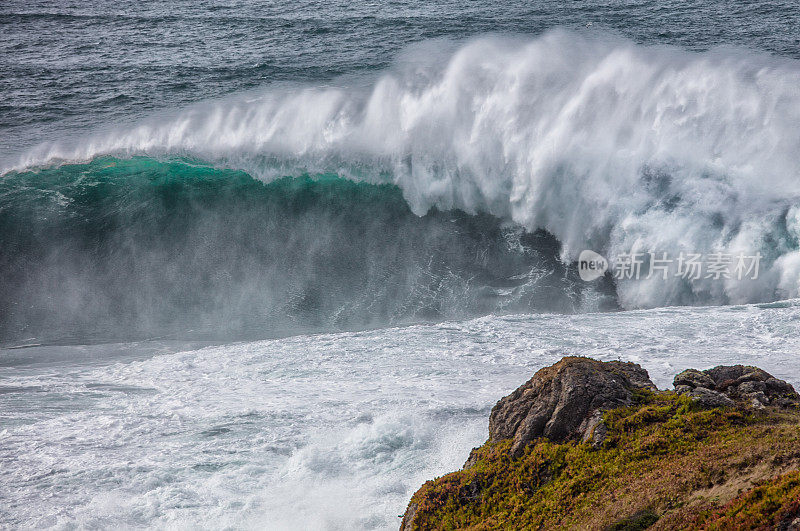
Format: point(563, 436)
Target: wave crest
point(601, 142)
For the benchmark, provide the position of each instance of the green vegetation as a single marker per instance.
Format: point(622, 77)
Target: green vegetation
point(773, 504)
point(666, 463)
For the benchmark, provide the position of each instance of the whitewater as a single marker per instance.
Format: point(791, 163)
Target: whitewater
point(261, 286)
point(332, 431)
point(605, 144)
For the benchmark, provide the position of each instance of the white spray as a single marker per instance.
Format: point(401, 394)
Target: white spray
point(607, 144)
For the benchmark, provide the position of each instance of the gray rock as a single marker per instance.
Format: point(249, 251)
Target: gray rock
point(758, 399)
point(725, 384)
point(749, 387)
point(471, 460)
point(693, 378)
point(725, 373)
point(562, 402)
point(725, 376)
point(789, 523)
point(408, 518)
point(594, 429)
point(708, 398)
point(776, 387)
point(566, 401)
point(754, 375)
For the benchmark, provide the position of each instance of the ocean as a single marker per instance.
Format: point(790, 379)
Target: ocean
point(270, 265)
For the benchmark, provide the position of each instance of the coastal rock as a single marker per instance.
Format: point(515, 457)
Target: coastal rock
point(708, 398)
point(655, 465)
point(565, 401)
point(693, 378)
point(726, 384)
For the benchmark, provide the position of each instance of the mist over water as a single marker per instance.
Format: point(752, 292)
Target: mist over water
point(135, 249)
point(402, 188)
point(595, 141)
point(331, 431)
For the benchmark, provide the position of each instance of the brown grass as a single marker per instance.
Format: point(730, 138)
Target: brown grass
point(664, 460)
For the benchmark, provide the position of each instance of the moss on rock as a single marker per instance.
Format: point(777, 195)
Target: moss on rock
point(666, 462)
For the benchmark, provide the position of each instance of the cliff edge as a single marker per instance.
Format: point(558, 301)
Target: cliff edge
point(586, 444)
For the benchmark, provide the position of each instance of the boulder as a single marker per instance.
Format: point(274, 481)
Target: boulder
point(565, 401)
point(708, 398)
point(693, 378)
point(726, 384)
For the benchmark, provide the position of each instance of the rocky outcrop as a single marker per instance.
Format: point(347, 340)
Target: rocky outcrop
point(566, 401)
point(727, 384)
point(651, 462)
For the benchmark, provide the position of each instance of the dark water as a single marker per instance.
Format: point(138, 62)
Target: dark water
point(126, 249)
point(75, 64)
point(312, 166)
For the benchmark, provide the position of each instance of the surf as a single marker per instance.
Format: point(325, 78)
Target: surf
point(592, 140)
point(140, 248)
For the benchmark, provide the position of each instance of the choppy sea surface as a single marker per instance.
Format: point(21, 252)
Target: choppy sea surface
point(271, 264)
point(331, 431)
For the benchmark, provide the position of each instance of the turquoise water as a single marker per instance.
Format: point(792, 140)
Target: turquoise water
point(136, 248)
point(231, 171)
point(462, 179)
point(269, 265)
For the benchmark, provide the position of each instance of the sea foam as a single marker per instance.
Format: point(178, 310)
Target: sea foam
point(606, 144)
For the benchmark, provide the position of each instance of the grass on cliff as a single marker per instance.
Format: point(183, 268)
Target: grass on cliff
point(665, 464)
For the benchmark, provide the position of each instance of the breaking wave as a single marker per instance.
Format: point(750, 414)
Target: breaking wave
point(405, 188)
point(131, 248)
